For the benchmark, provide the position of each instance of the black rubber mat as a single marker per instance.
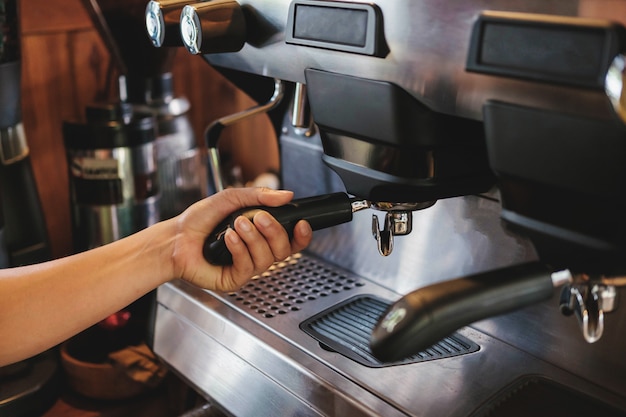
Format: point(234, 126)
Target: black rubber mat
point(346, 329)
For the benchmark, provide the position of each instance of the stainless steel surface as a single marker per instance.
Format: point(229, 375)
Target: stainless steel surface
point(246, 352)
point(300, 113)
point(588, 310)
point(428, 41)
point(266, 366)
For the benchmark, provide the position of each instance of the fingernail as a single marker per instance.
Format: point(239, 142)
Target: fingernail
point(270, 190)
point(232, 236)
point(262, 219)
point(304, 228)
point(243, 224)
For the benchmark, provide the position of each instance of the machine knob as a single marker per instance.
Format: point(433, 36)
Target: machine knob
point(213, 27)
point(163, 20)
point(615, 87)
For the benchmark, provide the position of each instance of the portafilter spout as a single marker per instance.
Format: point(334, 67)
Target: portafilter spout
point(398, 222)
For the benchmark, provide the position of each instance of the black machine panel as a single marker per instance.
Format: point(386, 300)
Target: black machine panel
point(554, 49)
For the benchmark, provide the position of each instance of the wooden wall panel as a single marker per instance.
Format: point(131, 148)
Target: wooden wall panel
point(54, 87)
point(65, 66)
point(45, 16)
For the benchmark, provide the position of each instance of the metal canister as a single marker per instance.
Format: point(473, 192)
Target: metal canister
point(114, 185)
point(181, 164)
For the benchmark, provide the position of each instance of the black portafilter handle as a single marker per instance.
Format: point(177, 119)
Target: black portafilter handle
point(320, 211)
point(427, 315)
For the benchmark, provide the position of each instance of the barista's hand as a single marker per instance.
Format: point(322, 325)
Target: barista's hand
point(254, 247)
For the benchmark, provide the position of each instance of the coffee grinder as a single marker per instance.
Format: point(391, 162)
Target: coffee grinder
point(27, 387)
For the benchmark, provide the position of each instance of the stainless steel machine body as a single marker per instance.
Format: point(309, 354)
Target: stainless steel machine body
point(250, 351)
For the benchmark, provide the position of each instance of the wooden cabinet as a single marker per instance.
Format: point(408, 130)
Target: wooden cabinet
point(66, 66)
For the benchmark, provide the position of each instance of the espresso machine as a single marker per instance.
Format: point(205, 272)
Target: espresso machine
point(470, 157)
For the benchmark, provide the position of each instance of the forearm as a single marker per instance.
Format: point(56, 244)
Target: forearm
point(45, 304)
point(63, 297)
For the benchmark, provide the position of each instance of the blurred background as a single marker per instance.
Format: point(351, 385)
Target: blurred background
point(66, 66)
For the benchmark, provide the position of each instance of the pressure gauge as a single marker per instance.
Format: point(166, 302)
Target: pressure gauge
point(213, 27)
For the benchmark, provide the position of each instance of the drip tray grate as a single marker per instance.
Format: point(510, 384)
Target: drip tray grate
point(346, 329)
point(287, 285)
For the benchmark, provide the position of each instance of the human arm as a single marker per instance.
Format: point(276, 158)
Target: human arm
point(41, 305)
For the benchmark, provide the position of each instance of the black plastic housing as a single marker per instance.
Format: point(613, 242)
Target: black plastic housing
point(554, 49)
point(387, 146)
point(563, 183)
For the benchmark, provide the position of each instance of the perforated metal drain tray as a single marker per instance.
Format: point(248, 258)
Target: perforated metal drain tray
point(343, 328)
point(346, 329)
point(287, 286)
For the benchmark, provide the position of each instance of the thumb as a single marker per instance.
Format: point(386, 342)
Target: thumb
point(225, 202)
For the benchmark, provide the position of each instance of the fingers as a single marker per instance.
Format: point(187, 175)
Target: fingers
point(265, 239)
point(222, 204)
point(253, 248)
point(256, 246)
point(276, 236)
point(302, 235)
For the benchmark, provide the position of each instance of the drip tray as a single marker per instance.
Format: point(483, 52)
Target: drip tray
point(541, 397)
point(346, 329)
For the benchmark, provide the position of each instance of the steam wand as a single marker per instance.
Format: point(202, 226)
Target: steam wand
point(213, 131)
point(425, 316)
